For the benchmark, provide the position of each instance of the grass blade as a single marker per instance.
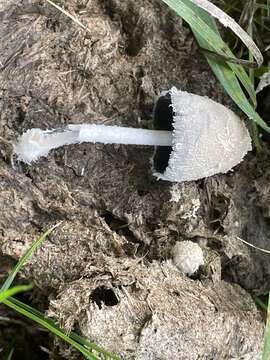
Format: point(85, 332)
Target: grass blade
point(237, 70)
point(54, 329)
point(10, 354)
point(25, 257)
point(266, 347)
point(227, 21)
point(81, 340)
point(78, 342)
point(229, 80)
point(15, 290)
point(73, 18)
point(263, 6)
point(205, 26)
point(206, 32)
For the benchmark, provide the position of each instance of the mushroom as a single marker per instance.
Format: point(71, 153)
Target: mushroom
point(187, 256)
point(195, 137)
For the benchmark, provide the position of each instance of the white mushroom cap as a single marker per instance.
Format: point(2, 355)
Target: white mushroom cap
point(208, 138)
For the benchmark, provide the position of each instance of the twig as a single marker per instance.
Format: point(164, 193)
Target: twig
point(68, 15)
point(253, 246)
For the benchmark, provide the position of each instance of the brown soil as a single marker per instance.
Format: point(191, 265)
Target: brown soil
point(106, 271)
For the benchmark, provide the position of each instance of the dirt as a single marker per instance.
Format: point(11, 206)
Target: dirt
point(106, 272)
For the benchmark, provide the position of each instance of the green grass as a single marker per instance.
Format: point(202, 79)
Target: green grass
point(89, 349)
point(260, 12)
point(266, 346)
point(5, 294)
point(266, 309)
point(230, 74)
point(25, 257)
point(9, 355)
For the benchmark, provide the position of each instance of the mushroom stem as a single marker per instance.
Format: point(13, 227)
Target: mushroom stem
point(35, 143)
point(121, 135)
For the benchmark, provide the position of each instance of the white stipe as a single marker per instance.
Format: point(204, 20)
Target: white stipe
point(121, 135)
point(36, 143)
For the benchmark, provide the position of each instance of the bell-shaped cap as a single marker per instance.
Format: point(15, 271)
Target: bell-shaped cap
point(208, 138)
